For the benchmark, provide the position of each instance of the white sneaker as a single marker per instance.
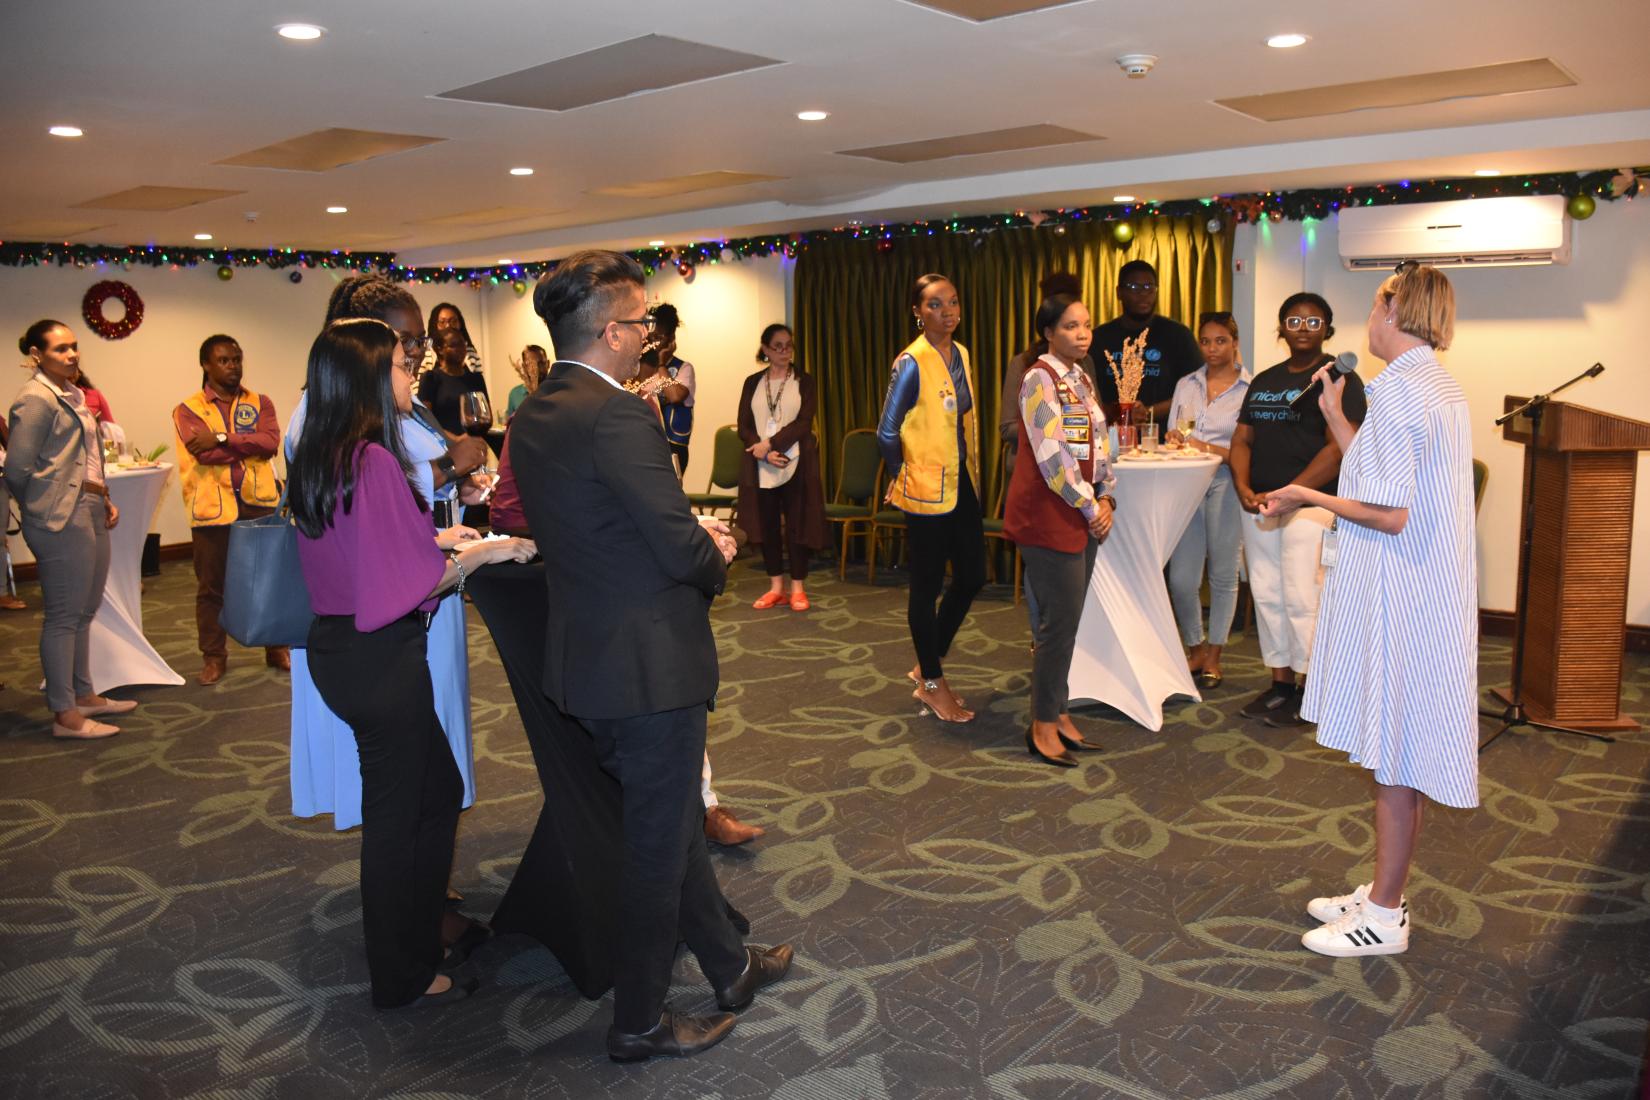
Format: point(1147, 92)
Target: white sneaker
point(1359, 933)
point(1330, 909)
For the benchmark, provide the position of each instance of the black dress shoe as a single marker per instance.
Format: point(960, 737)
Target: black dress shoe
point(459, 950)
point(674, 1036)
point(1279, 694)
point(763, 966)
point(1063, 760)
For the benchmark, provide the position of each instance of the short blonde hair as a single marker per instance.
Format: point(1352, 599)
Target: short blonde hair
point(1426, 303)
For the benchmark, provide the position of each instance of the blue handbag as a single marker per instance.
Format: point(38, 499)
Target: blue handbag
point(265, 600)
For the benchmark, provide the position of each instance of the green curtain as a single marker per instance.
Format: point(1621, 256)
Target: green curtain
point(852, 313)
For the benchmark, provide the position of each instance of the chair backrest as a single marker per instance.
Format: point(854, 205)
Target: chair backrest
point(724, 467)
point(1480, 476)
point(857, 482)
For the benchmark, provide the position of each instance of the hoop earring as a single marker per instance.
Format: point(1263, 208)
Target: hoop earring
point(918, 320)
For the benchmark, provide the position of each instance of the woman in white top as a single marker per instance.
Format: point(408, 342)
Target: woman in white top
point(1397, 633)
point(1209, 399)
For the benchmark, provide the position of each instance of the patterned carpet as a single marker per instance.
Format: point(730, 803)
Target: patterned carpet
point(968, 923)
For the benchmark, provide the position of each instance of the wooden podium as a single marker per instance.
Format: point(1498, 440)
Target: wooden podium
point(1579, 474)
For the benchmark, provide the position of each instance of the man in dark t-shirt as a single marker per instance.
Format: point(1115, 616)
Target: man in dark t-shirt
point(1171, 351)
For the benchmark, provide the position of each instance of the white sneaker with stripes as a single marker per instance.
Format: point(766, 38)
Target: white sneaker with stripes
point(1359, 933)
point(1329, 909)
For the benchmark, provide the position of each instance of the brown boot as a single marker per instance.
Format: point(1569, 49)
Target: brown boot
point(275, 656)
point(723, 828)
point(212, 670)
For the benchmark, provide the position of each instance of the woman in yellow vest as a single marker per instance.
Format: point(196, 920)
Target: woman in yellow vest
point(929, 439)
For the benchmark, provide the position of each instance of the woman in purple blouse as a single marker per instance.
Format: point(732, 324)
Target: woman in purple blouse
point(375, 570)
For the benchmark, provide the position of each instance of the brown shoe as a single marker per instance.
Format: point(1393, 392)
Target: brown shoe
point(276, 657)
point(723, 828)
point(12, 603)
point(212, 670)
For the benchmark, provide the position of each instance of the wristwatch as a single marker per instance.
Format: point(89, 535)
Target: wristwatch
point(446, 466)
point(222, 438)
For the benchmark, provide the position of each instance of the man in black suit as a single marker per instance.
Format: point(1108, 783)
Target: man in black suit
point(631, 573)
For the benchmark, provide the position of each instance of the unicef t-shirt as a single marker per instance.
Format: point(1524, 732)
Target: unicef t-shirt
point(1171, 354)
point(1283, 442)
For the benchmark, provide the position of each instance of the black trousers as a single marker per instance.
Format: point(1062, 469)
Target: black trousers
point(958, 538)
point(668, 890)
point(784, 503)
point(410, 793)
point(1060, 582)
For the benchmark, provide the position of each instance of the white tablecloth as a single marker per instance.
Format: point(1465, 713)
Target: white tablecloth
point(121, 655)
point(1129, 654)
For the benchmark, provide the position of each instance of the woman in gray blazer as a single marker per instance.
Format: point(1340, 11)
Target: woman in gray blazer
point(54, 470)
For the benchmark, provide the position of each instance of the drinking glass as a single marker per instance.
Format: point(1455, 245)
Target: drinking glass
point(1128, 437)
point(475, 413)
point(1186, 425)
point(1148, 437)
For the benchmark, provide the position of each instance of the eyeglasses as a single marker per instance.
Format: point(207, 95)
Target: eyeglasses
point(1406, 265)
point(648, 322)
point(1310, 324)
point(414, 345)
point(1137, 287)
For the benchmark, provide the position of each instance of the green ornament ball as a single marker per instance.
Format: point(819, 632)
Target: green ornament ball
point(519, 287)
point(226, 273)
point(1582, 207)
point(1122, 232)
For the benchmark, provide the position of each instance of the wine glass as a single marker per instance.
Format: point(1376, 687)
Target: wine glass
point(1186, 425)
point(475, 414)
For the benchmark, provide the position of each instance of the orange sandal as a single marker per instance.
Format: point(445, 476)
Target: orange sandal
point(768, 599)
point(799, 601)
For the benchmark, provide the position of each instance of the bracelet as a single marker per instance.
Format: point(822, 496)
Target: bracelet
point(458, 565)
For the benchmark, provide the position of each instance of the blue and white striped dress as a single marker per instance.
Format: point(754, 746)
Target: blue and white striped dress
point(1395, 665)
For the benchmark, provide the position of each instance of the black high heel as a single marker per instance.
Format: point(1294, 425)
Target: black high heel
point(1064, 760)
point(1079, 743)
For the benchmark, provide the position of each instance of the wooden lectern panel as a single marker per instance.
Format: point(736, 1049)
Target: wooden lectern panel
point(1582, 466)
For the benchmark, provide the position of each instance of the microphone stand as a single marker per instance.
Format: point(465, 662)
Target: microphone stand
point(1513, 715)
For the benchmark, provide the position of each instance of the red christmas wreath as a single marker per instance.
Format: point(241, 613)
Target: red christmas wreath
point(91, 307)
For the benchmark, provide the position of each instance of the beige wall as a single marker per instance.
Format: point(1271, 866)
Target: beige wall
point(1519, 330)
point(145, 375)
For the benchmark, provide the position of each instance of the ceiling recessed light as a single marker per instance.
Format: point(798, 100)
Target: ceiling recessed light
point(1286, 41)
point(203, 236)
point(521, 171)
point(813, 116)
point(1487, 172)
point(655, 244)
point(65, 131)
point(505, 260)
point(337, 210)
point(1122, 198)
point(300, 32)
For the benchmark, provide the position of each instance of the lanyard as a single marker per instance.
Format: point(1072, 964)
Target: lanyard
point(771, 398)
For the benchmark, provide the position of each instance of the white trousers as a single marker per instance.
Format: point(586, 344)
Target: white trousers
point(1284, 558)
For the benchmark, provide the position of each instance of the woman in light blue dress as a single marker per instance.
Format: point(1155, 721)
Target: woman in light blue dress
point(326, 770)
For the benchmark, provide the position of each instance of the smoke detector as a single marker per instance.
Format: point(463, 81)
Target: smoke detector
point(1136, 65)
point(251, 215)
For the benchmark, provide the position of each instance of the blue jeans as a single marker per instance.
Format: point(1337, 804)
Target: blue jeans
point(1215, 535)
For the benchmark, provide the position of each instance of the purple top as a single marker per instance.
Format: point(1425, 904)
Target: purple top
point(379, 559)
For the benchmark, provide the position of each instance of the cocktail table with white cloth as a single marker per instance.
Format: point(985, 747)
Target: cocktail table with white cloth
point(1128, 650)
point(121, 655)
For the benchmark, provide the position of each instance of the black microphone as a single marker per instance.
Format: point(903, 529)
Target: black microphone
point(1345, 363)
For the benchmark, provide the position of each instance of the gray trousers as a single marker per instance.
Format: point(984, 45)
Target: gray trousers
point(1060, 582)
point(73, 565)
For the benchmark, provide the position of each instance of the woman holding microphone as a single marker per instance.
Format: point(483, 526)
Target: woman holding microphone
point(1397, 635)
point(1058, 511)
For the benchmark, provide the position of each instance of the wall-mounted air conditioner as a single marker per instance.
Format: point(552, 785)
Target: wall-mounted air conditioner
point(1494, 232)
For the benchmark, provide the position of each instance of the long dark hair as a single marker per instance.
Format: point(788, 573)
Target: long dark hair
point(462, 327)
point(35, 335)
point(351, 402)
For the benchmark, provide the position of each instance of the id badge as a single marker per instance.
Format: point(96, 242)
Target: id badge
point(1331, 548)
point(771, 429)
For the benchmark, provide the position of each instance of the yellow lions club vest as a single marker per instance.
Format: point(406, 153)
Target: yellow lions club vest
point(927, 483)
point(209, 491)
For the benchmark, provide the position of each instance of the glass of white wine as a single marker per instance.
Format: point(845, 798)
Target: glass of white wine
point(1185, 426)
